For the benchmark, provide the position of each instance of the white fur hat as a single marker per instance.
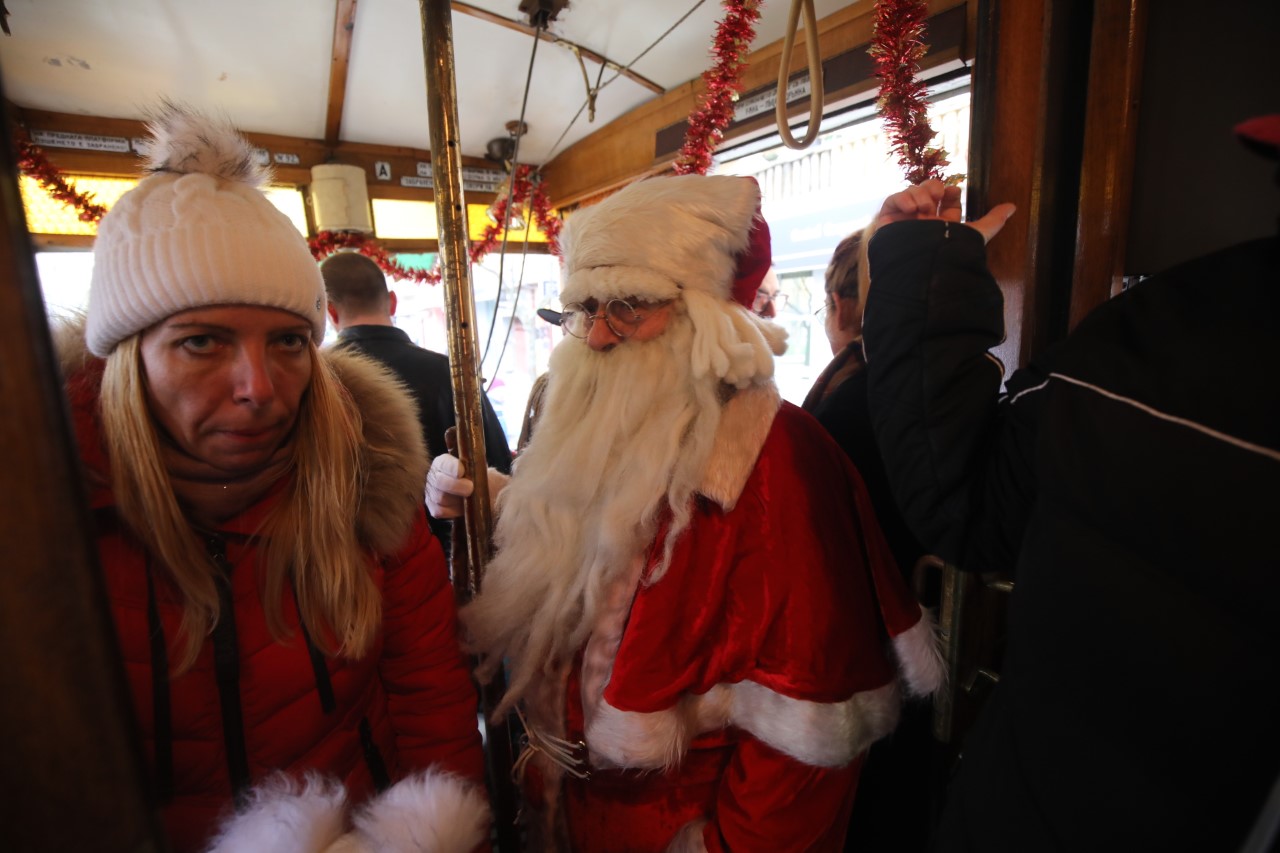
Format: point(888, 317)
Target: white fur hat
point(661, 236)
point(197, 231)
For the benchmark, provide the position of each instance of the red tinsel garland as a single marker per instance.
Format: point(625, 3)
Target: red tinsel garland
point(707, 124)
point(523, 188)
point(897, 46)
point(33, 163)
point(326, 243)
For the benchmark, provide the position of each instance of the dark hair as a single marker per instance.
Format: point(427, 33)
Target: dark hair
point(354, 282)
point(842, 272)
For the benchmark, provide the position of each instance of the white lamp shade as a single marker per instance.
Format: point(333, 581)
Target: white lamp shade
point(340, 198)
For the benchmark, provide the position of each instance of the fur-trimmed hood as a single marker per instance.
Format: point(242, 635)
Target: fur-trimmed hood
point(395, 460)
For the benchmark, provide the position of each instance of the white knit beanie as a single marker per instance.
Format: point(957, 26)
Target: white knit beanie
point(197, 231)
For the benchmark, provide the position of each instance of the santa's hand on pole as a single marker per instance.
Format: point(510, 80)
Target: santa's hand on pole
point(447, 486)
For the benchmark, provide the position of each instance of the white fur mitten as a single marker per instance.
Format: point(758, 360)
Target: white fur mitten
point(448, 485)
point(429, 812)
point(286, 814)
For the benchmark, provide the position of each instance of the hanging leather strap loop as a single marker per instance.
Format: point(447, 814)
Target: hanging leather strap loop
point(815, 75)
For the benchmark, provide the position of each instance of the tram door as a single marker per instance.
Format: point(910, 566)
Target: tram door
point(71, 773)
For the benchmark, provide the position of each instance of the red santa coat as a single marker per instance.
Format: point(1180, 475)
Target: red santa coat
point(412, 692)
point(746, 683)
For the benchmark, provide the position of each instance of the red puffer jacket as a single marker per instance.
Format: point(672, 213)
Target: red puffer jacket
point(407, 705)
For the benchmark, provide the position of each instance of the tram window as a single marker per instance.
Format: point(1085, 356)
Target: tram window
point(815, 197)
point(64, 280)
point(65, 274)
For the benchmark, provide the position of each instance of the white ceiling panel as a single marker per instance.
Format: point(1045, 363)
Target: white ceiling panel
point(266, 63)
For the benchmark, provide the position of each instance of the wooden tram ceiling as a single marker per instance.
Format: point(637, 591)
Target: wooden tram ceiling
point(344, 24)
point(344, 27)
point(576, 49)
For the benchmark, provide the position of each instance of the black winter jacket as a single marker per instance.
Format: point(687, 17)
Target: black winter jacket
point(1128, 481)
point(426, 375)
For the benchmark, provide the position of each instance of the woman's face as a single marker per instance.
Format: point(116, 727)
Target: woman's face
point(841, 322)
point(226, 382)
point(831, 324)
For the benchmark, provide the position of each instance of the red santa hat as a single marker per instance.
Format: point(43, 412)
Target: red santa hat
point(659, 237)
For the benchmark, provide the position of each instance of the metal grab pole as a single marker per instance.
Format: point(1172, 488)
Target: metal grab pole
point(446, 170)
point(460, 311)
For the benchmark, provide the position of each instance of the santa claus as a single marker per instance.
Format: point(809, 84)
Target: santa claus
point(690, 592)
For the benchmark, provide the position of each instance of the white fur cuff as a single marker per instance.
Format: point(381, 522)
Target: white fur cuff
point(689, 839)
point(820, 734)
point(919, 654)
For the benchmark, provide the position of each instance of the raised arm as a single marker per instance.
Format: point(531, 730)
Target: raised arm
point(933, 313)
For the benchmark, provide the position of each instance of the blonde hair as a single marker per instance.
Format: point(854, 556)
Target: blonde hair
point(310, 535)
point(843, 271)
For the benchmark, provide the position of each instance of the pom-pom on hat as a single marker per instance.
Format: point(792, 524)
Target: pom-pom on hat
point(661, 236)
point(196, 231)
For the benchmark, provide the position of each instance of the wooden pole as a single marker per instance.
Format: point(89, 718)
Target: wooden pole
point(72, 775)
point(446, 170)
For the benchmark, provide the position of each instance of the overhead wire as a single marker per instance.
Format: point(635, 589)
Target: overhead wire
point(620, 72)
point(535, 172)
point(515, 301)
point(511, 187)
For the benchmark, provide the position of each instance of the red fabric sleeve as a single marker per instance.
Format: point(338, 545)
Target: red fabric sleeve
point(770, 801)
point(430, 695)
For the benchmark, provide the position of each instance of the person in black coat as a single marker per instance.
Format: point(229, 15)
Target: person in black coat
point(895, 809)
point(360, 308)
point(1127, 481)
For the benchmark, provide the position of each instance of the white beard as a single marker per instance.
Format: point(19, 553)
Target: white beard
point(624, 435)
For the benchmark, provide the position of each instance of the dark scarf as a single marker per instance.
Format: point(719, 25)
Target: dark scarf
point(846, 363)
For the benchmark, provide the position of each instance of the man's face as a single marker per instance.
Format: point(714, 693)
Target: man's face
point(766, 297)
point(616, 321)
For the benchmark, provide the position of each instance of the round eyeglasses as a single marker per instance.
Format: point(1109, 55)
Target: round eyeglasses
point(777, 298)
point(620, 315)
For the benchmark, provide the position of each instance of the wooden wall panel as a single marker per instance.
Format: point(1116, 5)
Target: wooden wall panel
point(72, 773)
point(1106, 171)
point(309, 152)
point(1028, 114)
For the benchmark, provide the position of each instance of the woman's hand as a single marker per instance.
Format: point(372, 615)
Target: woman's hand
point(934, 200)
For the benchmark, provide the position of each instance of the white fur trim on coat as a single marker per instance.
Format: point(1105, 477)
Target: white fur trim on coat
point(689, 839)
point(820, 734)
point(744, 425)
